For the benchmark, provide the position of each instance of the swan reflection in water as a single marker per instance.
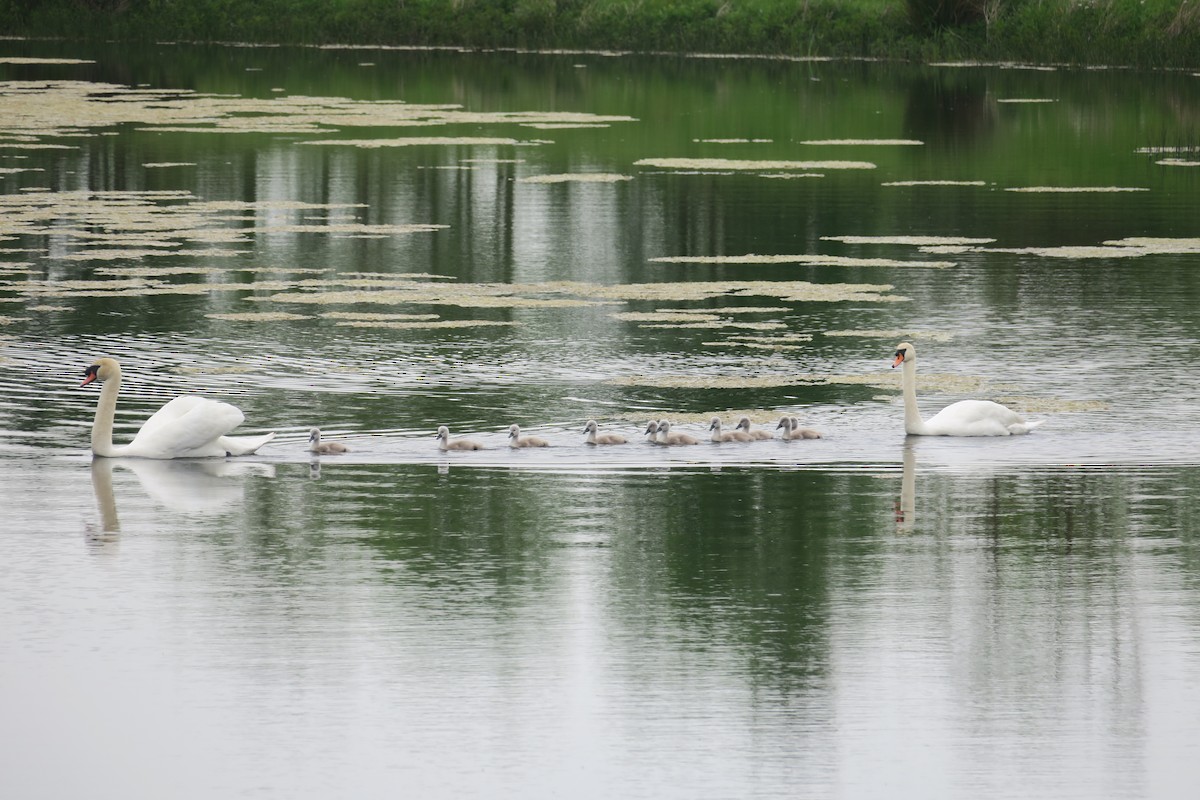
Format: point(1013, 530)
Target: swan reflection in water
point(906, 506)
point(193, 486)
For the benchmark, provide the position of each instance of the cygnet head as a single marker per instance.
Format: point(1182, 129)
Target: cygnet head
point(904, 352)
point(443, 432)
point(714, 424)
point(652, 428)
point(101, 369)
point(514, 431)
point(786, 423)
point(591, 426)
point(314, 435)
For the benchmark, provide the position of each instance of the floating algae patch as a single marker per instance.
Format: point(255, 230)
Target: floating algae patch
point(894, 333)
point(767, 345)
point(14, 170)
point(49, 308)
point(734, 141)
point(1025, 100)
point(867, 142)
point(366, 316)
point(712, 381)
point(1157, 245)
point(916, 241)
point(561, 126)
point(1052, 405)
point(354, 229)
point(445, 323)
point(739, 164)
point(783, 176)
point(665, 316)
point(777, 337)
point(165, 164)
point(418, 141)
point(719, 323)
point(1075, 189)
point(258, 316)
point(934, 183)
point(1177, 162)
point(5, 320)
point(27, 60)
point(809, 259)
point(584, 177)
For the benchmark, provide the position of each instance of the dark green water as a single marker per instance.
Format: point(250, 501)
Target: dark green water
point(859, 616)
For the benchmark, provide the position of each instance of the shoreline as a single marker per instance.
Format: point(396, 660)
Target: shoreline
point(1122, 33)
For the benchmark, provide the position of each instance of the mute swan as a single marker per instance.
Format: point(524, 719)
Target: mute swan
point(665, 436)
point(726, 436)
point(593, 437)
point(515, 439)
point(444, 443)
point(186, 427)
point(744, 425)
point(792, 430)
point(964, 418)
point(652, 432)
point(315, 445)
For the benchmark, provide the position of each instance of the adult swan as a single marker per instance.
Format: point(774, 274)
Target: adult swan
point(964, 418)
point(186, 427)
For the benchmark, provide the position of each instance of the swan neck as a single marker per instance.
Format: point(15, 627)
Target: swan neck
point(106, 408)
point(912, 415)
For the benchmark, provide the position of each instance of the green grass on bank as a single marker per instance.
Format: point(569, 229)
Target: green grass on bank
point(1153, 33)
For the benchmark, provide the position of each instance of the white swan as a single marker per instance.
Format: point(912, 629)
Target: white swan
point(186, 427)
point(726, 436)
point(515, 439)
point(964, 418)
point(593, 437)
point(315, 445)
point(444, 443)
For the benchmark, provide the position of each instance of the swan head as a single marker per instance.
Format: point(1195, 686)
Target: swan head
point(314, 434)
point(443, 432)
point(591, 426)
point(714, 424)
point(744, 423)
point(785, 423)
point(514, 431)
point(652, 428)
point(904, 352)
point(101, 369)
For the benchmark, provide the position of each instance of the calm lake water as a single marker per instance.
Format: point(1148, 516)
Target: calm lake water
point(379, 242)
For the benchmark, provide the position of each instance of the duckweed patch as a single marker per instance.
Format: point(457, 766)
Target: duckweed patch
point(593, 177)
point(741, 165)
point(811, 260)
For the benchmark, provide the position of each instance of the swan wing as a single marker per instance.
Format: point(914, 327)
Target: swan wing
point(977, 418)
point(185, 427)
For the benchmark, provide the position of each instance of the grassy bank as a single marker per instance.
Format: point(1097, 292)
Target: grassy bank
point(1151, 33)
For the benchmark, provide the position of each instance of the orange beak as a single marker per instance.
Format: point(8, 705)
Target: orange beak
point(88, 380)
point(899, 360)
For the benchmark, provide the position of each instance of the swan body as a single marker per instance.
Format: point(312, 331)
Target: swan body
point(444, 442)
point(186, 427)
point(665, 436)
point(964, 418)
point(727, 436)
point(515, 439)
point(593, 437)
point(792, 430)
point(315, 445)
point(753, 433)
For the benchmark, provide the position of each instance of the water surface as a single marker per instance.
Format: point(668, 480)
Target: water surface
point(856, 616)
